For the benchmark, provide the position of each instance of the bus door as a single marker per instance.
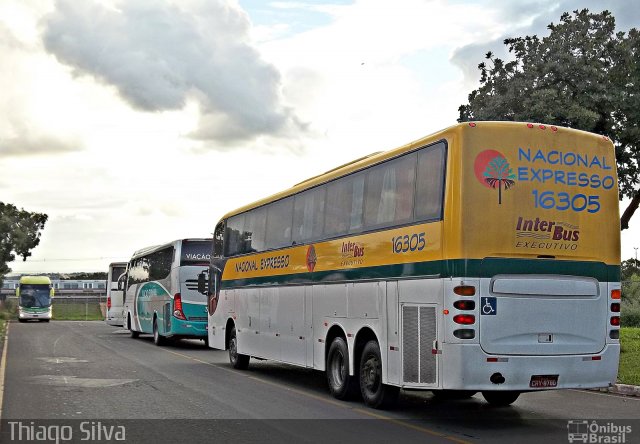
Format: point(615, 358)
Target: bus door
point(530, 313)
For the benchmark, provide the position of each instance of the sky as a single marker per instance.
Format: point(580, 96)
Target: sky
point(133, 123)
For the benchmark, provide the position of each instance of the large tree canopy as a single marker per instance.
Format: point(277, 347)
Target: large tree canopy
point(583, 75)
point(19, 234)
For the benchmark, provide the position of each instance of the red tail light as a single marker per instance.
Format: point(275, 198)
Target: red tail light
point(615, 307)
point(108, 302)
point(177, 307)
point(464, 319)
point(464, 305)
point(465, 290)
point(615, 321)
point(615, 294)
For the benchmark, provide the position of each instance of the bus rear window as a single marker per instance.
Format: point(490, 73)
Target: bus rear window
point(196, 252)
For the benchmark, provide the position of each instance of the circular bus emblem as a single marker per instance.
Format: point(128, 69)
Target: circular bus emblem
point(312, 259)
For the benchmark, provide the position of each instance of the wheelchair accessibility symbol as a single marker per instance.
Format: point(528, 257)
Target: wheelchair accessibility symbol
point(488, 306)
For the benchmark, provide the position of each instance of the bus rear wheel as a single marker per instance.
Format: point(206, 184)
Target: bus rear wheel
point(157, 338)
point(501, 398)
point(134, 334)
point(375, 394)
point(341, 384)
point(238, 361)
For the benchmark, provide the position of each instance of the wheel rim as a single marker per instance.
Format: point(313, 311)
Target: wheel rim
point(338, 368)
point(371, 374)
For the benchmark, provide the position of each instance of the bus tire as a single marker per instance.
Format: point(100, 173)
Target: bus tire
point(341, 384)
point(375, 394)
point(134, 334)
point(501, 398)
point(158, 339)
point(238, 361)
point(451, 395)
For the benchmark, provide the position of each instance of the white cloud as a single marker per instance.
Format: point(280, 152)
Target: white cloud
point(161, 54)
point(31, 101)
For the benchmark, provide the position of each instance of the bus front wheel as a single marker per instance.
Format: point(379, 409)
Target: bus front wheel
point(501, 398)
point(238, 361)
point(375, 394)
point(341, 384)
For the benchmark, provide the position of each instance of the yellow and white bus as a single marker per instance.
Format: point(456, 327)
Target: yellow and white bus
point(484, 257)
point(34, 295)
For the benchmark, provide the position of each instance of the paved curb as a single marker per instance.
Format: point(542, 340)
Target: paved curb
point(621, 389)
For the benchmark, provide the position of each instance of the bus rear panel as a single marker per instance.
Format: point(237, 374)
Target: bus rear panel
point(536, 227)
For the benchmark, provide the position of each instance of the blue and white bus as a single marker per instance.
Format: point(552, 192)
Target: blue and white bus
point(161, 296)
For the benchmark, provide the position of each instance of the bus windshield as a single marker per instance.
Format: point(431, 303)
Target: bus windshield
point(35, 296)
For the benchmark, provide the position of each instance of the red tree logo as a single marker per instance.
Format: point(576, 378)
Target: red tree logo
point(493, 171)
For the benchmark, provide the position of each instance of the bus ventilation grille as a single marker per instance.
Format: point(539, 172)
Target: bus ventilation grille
point(418, 335)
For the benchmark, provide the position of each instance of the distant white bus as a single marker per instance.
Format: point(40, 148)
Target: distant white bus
point(115, 293)
point(161, 296)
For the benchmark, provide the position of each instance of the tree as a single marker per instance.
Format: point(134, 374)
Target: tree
point(583, 75)
point(499, 172)
point(19, 234)
point(628, 268)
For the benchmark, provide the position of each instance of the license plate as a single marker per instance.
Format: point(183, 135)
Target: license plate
point(543, 381)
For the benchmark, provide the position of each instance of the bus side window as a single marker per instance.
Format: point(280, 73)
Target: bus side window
point(279, 219)
point(430, 184)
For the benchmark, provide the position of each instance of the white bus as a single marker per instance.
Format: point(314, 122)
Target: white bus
point(485, 257)
point(162, 295)
point(115, 293)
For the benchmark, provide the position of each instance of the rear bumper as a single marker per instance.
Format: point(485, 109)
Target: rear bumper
point(187, 329)
point(114, 317)
point(465, 367)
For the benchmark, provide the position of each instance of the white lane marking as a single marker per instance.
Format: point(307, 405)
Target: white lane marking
point(3, 366)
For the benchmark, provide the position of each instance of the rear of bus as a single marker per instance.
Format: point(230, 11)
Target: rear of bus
point(534, 246)
point(34, 295)
point(189, 315)
point(115, 293)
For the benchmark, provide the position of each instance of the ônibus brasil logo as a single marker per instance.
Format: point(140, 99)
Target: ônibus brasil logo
point(493, 171)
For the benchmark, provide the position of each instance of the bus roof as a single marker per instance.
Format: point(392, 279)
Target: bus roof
point(42, 280)
point(117, 264)
point(378, 157)
point(147, 250)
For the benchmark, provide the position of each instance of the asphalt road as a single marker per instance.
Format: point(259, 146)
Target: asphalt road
point(95, 378)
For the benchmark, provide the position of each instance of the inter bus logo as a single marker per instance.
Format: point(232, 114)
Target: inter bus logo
point(493, 171)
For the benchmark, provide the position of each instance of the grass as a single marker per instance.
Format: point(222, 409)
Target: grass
point(629, 371)
point(77, 312)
